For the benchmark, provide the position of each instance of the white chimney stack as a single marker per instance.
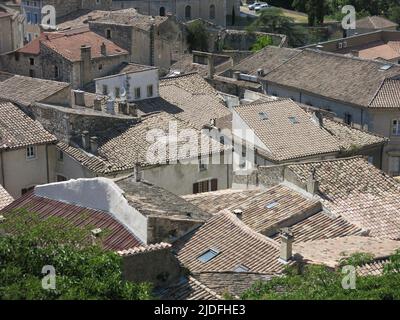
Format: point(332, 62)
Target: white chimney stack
point(287, 238)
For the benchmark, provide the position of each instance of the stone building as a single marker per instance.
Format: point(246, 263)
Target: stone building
point(222, 13)
point(77, 56)
point(153, 41)
point(12, 29)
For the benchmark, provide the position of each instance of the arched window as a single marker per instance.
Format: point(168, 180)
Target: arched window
point(162, 11)
point(188, 12)
point(212, 12)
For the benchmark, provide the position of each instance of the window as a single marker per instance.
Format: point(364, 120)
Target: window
point(105, 89)
point(16, 56)
point(108, 34)
point(222, 140)
point(271, 205)
point(348, 119)
point(162, 11)
point(32, 73)
point(60, 155)
point(212, 12)
point(28, 17)
point(188, 12)
point(396, 127)
point(35, 18)
point(263, 115)
point(117, 92)
point(205, 186)
point(61, 178)
point(149, 90)
point(394, 166)
point(208, 255)
point(31, 152)
point(100, 66)
point(31, 61)
point(56, 72)
point(202, 166)
point(26, 190)
point(293, 120)
point(137, 93)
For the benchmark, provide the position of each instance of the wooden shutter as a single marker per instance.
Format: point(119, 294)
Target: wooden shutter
point(195, 188)
point(214, 184)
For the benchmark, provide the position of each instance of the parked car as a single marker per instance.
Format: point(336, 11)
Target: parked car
point(253, 5)
point(261, 6)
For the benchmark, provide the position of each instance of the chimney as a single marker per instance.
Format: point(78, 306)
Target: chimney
point(287, 238)
point(132, 110)
point(79, 97)
point(312, 184)
point(238, 213)
point(354, 53)
point(236, 75)
point(86, 53)
point(319, 117)
point(85, 140)
point(97, 104)
point(122, 107)
point(260, 72)
point(86, 68)
point(211, 66)
point(93, 145)
point(103, 49)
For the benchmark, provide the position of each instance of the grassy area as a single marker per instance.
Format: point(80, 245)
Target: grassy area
point(297, 16)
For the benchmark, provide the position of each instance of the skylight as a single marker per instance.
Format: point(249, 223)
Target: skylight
point(293, 120)
point(263, 115)
point(208, 255)
point(271, 205)
point(241, 268)
point(385, 67)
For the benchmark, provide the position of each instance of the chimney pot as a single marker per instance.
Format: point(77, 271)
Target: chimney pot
point(260, 72)
point(287, 238)
point(312, 185)
point(236, 75)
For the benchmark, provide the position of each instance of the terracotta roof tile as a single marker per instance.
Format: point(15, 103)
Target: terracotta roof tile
point(374, 268)
point(388, 95)
point(18, 130)
point(375, 22)
point(5, 198)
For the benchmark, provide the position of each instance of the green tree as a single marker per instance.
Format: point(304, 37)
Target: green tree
point(261, 42)
point(83, 269)
point(273, 21)
point(197, 36)
point(315, 282)
point(394, 13)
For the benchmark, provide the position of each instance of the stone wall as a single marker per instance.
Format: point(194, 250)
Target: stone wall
point(159, 267)
point(243, 40)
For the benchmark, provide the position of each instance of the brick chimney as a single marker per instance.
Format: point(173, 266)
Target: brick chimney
point(286, 237)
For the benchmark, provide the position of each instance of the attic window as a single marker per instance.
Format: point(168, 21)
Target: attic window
point(385, 67)
point(263, 115)
point(271, 205)
point(293, 120)
point(208, 255)
point(241, 268)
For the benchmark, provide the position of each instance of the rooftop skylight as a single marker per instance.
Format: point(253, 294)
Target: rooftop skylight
point(208, 255)
point(263, 115)
point(271, 205)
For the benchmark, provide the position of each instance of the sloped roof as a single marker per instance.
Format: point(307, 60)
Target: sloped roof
point(236, 244)
point(5, 198)
point(330, 251)
point(25, 90)
point(375, 22)
point(357, 191)
point(283, 138)
point(388, 95)
point(18, 130)
point(117, 236)
point(334, 76)
point(190, 98)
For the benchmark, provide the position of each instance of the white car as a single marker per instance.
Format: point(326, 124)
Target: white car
point(261, 6)
point(253, 5)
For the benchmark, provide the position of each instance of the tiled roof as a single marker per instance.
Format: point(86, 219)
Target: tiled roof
point(267, 59)
point(133, 67)
point(235, 243)
point(374, 22)
point(350, 138)
point(381, 50)
point(286, 139)
point(117, 237)
point(78, 19)
point(286, 205)
point(152, 200)
point(188, 288)
point(330, 251)
point(5, 198)
point(374, 268)
point(132, 18)
point(68, 44)
point(357, 191)
point(388, 95)
point(25, 90)
point(120, 150)
point(321, 226)
point(18, 130)
point(144, 249)
point(233, 283)
point(190, 98)
point(334, 76)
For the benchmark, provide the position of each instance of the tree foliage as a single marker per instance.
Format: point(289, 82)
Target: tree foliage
point(273, 21)
point(261, 42)
point(197, 36)
point(83, 269)
point(315, 282)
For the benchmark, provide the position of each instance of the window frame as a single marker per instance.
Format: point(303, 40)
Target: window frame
point(31, 152)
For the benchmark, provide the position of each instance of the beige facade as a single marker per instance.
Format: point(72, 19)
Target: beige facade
point(19, 173)
point(12, 30)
